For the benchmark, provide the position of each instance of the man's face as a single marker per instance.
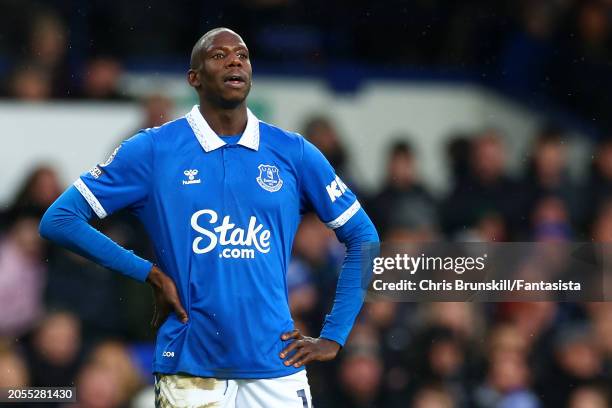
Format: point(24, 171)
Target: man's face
point(224, 73)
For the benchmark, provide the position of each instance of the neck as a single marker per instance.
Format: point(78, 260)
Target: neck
point(231, 121)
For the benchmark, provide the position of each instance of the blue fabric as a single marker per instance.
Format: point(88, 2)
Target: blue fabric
point(222, 223)
point(66, 223)
point(231, 139)
point(352, 284)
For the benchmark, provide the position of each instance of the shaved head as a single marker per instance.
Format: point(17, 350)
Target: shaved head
point(204, 42)
point(220, 69)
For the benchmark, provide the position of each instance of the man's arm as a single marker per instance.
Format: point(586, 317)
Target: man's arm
point(66, 223)
point(350, 291)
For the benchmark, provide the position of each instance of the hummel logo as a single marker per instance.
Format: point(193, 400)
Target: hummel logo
point(191, 174)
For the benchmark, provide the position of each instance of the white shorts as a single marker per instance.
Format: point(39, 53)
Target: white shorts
point(183, 391)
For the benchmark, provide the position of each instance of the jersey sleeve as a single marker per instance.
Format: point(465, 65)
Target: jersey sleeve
point(123, 181)
point(323, 191)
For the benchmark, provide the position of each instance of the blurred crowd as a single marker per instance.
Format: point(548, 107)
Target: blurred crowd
point(66, 321)
point(556, 51)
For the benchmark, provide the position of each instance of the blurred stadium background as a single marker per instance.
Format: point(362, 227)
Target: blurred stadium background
point(469, 120)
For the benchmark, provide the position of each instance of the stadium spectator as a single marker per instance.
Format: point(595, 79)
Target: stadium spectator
point(550, 220)
point(507, 384)
point(547, 173)
point(576, 362)
point(322, 132)
point(54, 357)
point(98, 387)
point(442, 359)
point(41, 70)
point(303, 293)
point(30, 83)
point(361, 372)
point(316, 256)
point(526, 54)
point(463, 319)
point(599, 315)
point(505, 339)
point(22, 276)
point(113, 358)
point(405, 232)
point(403, 201)
point(580, 72)
point(458, 157)
point(383, 315)
point(101, 79)
point(40, 188)
point(48, 46)
point(433, 396)
point(533, 320)
point(13, 368)
point(589, 397)
point(88, 291)
point(123, 227)
point(157, 110)
point(394, 323)
point(598, 188)
point(601, 230)
point(489, 227)
point(486, 190)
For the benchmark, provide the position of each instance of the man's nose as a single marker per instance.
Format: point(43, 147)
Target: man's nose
point(234, 61)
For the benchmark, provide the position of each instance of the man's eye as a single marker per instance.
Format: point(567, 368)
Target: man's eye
point(243, 56)
point(218, 55)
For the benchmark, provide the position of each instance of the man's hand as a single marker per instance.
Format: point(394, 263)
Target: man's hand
point(307, 349)
point(166, 298)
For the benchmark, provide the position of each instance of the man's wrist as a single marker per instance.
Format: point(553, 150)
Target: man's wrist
point(332, 343)
point(332, 336)
point(155, 277)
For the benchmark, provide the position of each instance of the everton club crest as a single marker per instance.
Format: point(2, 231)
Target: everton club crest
point(269, 178)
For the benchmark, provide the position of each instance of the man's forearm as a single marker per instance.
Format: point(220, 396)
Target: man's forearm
point(350, 290)
point(66, 224)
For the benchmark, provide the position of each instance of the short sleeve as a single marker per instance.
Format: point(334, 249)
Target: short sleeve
point(123, 180)
point(323, 191)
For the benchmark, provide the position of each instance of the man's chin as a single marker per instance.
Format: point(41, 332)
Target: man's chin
point(232, 101)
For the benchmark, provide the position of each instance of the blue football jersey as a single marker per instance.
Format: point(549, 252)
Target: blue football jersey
point(222, 217)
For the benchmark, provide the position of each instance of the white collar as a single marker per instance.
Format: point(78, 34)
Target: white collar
point(211, 141)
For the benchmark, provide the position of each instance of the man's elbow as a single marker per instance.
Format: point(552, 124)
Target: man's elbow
point(371, 239)
point(45, 228)
point(368, 231)
point(374, 238)
point(52, 225)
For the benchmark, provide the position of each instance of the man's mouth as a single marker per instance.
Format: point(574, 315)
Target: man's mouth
point(234, 81)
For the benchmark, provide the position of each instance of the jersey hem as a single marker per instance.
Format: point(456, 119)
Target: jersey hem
point(226, 374)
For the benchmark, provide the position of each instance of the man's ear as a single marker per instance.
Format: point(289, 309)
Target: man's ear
point(193, 78)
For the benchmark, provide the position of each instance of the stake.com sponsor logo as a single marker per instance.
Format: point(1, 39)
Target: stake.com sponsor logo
point(243, 243)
